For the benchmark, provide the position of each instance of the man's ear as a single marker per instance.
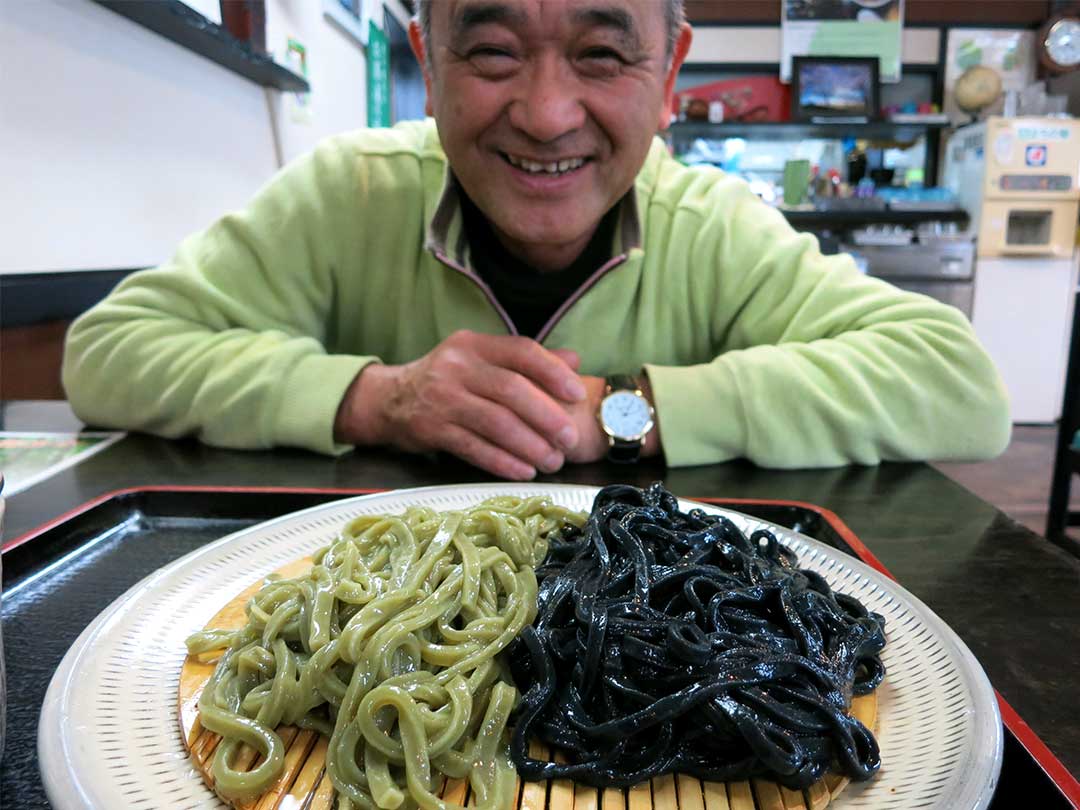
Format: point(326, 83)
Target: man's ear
point(678, 56)
point(416, 40)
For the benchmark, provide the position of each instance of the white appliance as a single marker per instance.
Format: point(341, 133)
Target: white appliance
point(1019, 179)
point(1023, 314)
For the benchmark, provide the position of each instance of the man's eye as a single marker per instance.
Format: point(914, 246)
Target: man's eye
point(603, 53)
point(490, 53)
point(492, 60)
point(602, 59)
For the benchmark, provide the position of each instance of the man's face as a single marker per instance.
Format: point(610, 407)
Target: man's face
point(546, 110)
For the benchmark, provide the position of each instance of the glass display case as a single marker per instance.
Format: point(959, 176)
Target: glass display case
point(879, 170)
point(866, 188)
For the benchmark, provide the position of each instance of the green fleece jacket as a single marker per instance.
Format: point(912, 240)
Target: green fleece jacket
point(756, 344)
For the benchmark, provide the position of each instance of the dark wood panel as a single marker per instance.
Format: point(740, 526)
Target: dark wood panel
point(733, 11)
point(1024, 13)
point(30, 361)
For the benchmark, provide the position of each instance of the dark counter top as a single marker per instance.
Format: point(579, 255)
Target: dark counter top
point(1007, 592)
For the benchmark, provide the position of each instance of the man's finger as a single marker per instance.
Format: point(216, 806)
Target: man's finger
point(531, 404)
point(481, 453)
point(506, 429)
point(527, 357)
point(568, 356)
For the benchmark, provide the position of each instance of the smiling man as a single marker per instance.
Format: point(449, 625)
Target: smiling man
point(546, 111)
point(530, 279)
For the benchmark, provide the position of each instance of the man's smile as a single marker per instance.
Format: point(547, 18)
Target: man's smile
point(552, 167)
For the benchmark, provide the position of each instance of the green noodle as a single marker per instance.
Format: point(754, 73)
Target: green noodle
point(388, 646)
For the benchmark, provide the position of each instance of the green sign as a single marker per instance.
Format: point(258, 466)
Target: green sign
point(378, 77)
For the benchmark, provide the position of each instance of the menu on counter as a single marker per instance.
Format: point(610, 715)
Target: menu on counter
point(28, 458)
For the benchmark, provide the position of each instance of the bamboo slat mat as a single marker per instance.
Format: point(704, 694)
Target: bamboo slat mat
point(304, 785)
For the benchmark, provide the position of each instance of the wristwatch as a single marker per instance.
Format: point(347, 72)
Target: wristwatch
point(626, 416)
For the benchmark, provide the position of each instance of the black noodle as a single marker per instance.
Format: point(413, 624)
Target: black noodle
point(670, 642)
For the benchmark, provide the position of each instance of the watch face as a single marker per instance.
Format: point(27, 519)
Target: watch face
point(625, 415)
point(1063, 42)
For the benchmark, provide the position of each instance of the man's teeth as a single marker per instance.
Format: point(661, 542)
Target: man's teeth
point(555, 167)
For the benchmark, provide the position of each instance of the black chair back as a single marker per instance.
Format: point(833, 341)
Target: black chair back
point(1066, 459)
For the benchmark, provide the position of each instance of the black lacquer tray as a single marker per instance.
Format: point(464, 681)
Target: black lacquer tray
point(58, 577)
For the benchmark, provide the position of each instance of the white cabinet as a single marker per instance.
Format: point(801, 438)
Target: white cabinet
point(1023, 313)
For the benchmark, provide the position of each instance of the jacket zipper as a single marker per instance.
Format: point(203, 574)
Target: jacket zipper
point(545, 330)
point(479, 282)
point(606, 268)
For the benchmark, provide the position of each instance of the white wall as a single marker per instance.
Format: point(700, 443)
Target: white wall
point(115, 143)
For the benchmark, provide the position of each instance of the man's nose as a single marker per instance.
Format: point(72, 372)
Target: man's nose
point(550, 103)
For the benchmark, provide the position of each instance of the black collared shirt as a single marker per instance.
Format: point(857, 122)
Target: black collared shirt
point(529, 297)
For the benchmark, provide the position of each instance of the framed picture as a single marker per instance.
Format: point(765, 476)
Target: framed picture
point(834, 88)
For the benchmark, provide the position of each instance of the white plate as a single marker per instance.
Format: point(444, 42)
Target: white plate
point(108, 736)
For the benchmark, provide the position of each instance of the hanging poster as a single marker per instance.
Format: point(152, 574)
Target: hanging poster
point(843, 28)
point(299, 104)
